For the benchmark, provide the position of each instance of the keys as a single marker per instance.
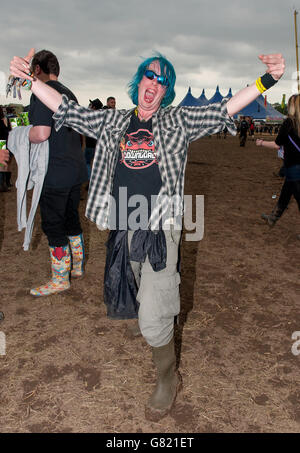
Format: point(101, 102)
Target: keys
point(10, 83)
point(18, 85)
point(14, 85)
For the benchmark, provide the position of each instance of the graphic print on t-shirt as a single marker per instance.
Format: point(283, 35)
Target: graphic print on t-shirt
point(137, 150)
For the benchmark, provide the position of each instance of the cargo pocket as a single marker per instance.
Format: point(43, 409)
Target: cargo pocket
point(167, 296)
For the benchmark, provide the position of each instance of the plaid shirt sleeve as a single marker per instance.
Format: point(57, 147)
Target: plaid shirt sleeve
point(207, 120)
point(81, 119)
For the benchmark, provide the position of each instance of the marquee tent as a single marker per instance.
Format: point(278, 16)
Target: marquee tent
point(257, 109)
point(271, 113)
point(189, 100)
point(202, 99)
point(217, 97)
point(229, 94)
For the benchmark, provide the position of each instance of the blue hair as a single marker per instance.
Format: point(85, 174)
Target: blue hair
point(166, 69)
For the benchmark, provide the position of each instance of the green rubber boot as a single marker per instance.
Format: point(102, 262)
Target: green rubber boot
point(168, 383)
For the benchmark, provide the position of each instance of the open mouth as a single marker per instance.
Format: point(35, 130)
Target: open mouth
point(149, 95)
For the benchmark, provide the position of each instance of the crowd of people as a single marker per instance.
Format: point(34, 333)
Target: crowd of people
point(144, 151)
point(246, 126)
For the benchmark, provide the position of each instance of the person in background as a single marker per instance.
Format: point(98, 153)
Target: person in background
point(251, 129)
point(146, 246)
point(244, 126)
point(110, 103)
point(288, 138)
point(5, 172)
point(66, 172)
point(89, 142)
point(96, 104)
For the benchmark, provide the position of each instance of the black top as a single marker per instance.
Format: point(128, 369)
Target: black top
point(291, 154)
point(4, 130)
point(137, 171)
point(66, 166)
point(90, 142)
point(244, 126)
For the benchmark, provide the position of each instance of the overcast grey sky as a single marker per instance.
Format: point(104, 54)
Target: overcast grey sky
point(100, 43)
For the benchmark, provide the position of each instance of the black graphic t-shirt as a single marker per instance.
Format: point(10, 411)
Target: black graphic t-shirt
point(66, 167)
point(137, 177)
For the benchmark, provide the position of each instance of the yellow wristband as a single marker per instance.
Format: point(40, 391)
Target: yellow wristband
point(260, 86)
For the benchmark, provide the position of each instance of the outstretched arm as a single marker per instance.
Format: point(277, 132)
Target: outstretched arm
point(275, 67)
point(265, 144)
point(20, 67)
point(66, 112)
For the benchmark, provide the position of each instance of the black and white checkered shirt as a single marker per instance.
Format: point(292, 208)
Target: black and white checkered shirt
point(174, 128)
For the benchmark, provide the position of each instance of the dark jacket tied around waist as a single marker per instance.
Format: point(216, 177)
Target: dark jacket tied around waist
point(120, 288)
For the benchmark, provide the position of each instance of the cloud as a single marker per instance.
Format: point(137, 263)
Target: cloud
point(100, 44)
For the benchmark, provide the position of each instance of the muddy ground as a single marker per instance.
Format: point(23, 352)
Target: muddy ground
point(68, 368)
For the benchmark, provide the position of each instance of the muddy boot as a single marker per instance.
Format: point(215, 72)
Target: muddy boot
point(273, 217)
point(77, 252)
point(168, 383)
point(270, 219)
point(3, 185)
point(61, 266)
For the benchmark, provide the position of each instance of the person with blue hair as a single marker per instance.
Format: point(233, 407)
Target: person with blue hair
point(165, 68)
point(138, 172)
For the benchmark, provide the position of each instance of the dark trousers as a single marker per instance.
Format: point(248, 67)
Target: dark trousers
point(243, 138)
point(59, 214)
point(282, 171)
point(289, 188)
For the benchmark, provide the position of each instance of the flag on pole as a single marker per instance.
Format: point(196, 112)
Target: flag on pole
point(265, 101)
point(283, 101)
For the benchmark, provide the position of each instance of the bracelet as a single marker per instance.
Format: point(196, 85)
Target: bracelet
point(27, 83)
point(265, 82)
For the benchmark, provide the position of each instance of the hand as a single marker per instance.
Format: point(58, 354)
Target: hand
point(20, 67)
point(275, 64)
point(4, 157)
point(259, 142)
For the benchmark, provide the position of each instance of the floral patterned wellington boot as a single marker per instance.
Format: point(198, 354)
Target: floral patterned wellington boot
point(61, 266)
point(77, 251)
